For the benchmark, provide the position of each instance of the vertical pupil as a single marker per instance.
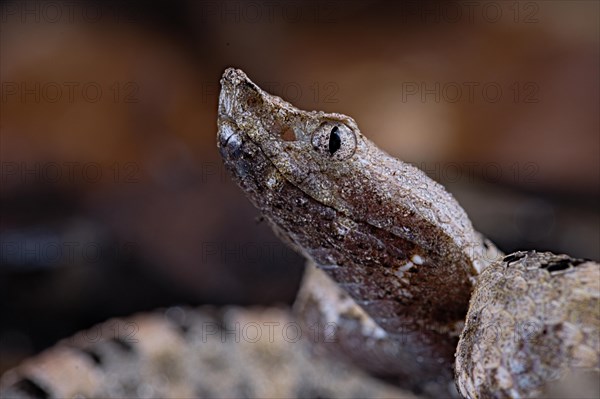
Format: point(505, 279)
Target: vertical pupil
point(335, 142)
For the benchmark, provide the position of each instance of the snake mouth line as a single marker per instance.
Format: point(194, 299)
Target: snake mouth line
point(303, 191)
point(225, 118)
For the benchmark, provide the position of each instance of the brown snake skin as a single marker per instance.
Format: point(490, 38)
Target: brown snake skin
point(395, 268)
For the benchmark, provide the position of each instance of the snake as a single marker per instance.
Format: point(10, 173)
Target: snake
point(414, 270)
point(405, 288)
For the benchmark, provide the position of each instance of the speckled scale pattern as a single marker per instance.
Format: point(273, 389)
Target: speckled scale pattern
point(191, 353)
point(396, 241)
point(405, 260)
point(534, 318)
point(352, 335)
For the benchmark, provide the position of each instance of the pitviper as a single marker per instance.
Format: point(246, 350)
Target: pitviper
point(407, 254)
point(411, 291)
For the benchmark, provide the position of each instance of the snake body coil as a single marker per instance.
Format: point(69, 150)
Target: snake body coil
point(405, 252)
point(393, 263)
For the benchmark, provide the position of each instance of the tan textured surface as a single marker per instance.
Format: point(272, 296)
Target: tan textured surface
point(533, 319)
point(190, 353)
point(395, 240)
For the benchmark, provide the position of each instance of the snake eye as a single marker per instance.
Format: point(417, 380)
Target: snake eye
point(334, 140)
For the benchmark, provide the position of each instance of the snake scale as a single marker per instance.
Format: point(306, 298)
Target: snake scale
point(405, 251)
point(415, 294)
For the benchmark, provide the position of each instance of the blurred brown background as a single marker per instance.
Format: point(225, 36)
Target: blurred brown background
point(113, 196)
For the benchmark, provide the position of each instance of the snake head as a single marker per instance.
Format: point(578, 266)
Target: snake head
point(310, 150)
point(267, 144)
point(344, 203)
